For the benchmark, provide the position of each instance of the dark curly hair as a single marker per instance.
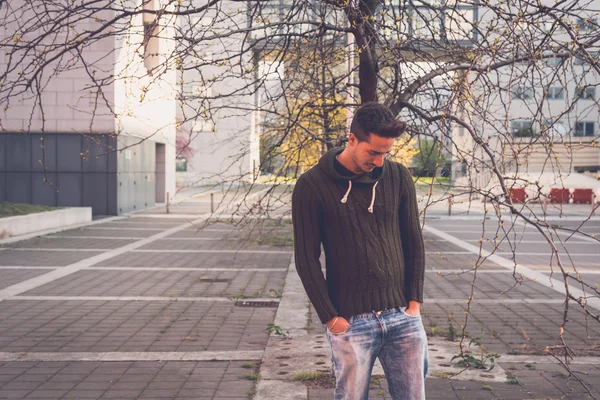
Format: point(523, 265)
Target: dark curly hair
point(377, 119)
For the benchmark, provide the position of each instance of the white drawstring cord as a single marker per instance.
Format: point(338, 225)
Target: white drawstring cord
point(345, 198)
point(373, 198)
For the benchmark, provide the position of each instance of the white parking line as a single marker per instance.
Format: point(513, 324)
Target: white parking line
point(249, 355)
point(216, 251)
point(537, 276)
point(477, 300)
point(189, 269)
point(59, 273)
point(141, 298)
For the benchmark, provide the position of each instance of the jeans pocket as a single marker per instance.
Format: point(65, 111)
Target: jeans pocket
point(344, 331)
point(403, 311)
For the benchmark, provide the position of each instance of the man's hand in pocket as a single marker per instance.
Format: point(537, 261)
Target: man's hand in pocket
point(337, 324)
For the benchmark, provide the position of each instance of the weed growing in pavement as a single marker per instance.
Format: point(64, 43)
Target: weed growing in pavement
point(318, 378)
point(530, 366)
point(488, 387)
point(483, 361)
point(275, 292)
point(251, 376)
point(513, 380)
point(248, 365)
point(441, 374)
point(276, 329)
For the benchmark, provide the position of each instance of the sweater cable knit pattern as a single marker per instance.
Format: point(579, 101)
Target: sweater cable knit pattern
point(375, 257)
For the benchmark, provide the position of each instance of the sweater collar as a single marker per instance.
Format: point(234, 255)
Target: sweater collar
point(327, 164)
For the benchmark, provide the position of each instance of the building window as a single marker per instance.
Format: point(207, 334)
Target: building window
point(554, 61)
point(555, 93)
point(522, 129)
point(584, 129)
point(586, 25)
point(180, 164)
point(555, 129)
point(587, 93)
point(583, 59)
point(522, 93)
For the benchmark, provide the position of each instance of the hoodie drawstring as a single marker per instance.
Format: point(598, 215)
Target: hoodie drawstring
point(373, 198)
point(345, 198)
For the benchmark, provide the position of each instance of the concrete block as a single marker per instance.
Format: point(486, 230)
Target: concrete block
point(24, 224)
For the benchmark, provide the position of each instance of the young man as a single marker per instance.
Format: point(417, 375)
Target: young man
point(363, 209)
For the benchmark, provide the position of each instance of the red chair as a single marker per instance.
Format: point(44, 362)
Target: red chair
point(517, 195)
point(583, 196)
point(559, 195)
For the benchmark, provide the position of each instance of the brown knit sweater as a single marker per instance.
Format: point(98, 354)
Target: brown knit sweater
point(374, 260)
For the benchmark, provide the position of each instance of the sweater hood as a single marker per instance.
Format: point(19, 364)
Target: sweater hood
point(327, 164)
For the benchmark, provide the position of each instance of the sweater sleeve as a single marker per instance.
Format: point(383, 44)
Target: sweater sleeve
point(412, 239)
point(307, 249)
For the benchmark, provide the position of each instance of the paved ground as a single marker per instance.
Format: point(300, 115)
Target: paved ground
point(151, 307)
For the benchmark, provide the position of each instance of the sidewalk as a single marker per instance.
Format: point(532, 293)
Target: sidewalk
point(151, 307)
point(517, 325)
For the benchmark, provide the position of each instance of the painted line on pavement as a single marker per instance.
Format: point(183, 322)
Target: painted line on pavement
point(250, 355)
point(536, 276)
point(56, 274)
point(116, 268)
point(120, 228)
point(519, 241)
point(97, 237)
point(480, 270)
point(141, 298)
point(55, 249)
point(215, 251)
point(127, 268)
point(477, 300)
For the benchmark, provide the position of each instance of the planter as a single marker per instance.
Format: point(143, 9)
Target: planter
point(38, 222)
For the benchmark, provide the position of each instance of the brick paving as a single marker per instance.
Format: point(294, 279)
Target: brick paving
point(501, 322)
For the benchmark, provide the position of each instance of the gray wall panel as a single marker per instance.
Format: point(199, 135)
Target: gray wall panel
point(45, 156)
point(111, 146)
point(18, 153)
point(112, 200)
point(69, 153)
point(95, 192)
point(18, 187)
point(3, 152)
point(2, 186)
point(95, 153)
point(44, 192)
point(69, 189)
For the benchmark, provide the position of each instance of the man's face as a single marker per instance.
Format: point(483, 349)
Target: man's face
point(369, 155)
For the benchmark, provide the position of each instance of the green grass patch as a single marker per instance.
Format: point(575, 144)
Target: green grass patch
point(251, 376)
point(248, 365)
point(318, 378)
point(14, 209)
point(428, 180)
point(488, 387)
point(283, 240)
point(512, 379)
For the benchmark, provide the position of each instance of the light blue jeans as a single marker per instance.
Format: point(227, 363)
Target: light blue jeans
point(400, 342)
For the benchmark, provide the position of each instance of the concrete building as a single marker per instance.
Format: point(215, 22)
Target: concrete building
point(98, 129)
point(217, 98)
